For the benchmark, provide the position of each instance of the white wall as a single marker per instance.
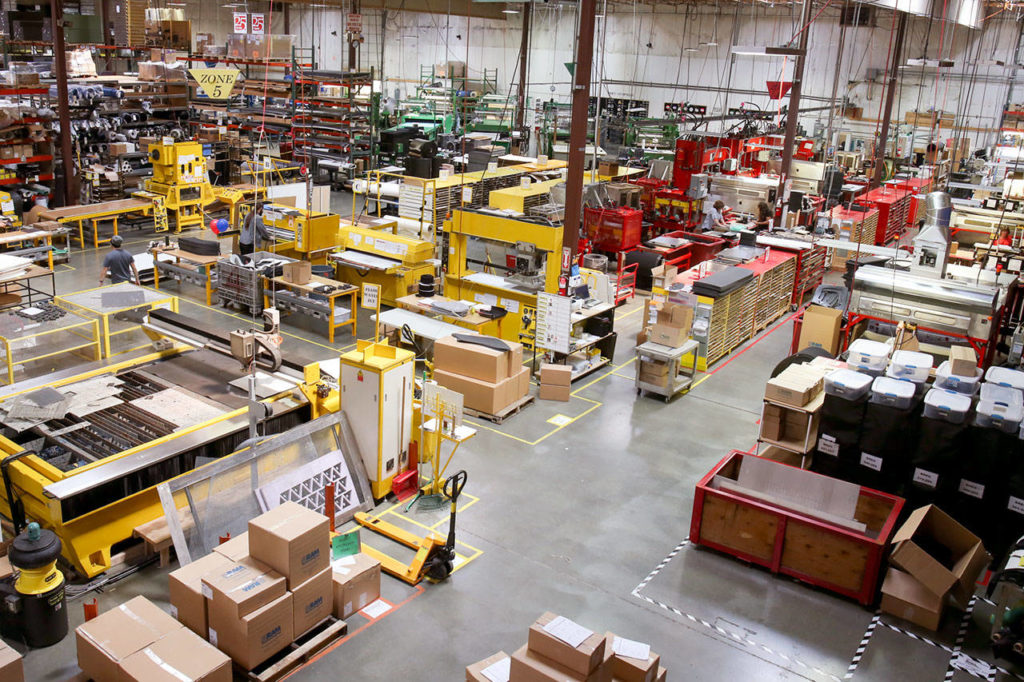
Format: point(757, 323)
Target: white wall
point(413, 39)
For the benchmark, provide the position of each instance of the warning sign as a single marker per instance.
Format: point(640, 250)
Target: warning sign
point(241, 22)
point(216, 83)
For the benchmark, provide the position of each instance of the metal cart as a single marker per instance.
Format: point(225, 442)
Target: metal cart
point(664, 374)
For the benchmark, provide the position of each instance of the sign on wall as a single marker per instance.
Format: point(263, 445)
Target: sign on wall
point(241, 23)
point(354, 23)
point(258, 25)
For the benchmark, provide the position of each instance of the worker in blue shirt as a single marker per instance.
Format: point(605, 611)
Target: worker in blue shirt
point(252, 228)
point(119, 264)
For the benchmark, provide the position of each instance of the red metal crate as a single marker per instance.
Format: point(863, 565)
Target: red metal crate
point(613, 229)
point(784, 541)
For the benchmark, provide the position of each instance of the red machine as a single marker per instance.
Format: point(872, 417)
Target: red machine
point(613, 230)
point(648, 186)
point(675, 210)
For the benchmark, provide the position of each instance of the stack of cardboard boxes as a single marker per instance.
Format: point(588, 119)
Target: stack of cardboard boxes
point(12, 668)
point(820, 328)
point(258, 592)
point(555, 382)
point(559, 650)
point(791, 415)
point(934, 561)
point(672, 327)
point(139, 641)
point(489, 379)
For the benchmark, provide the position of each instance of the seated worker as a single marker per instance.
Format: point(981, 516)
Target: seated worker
point(713, 218)
point(1004, 238)
point(763, 222)
point(252, 229)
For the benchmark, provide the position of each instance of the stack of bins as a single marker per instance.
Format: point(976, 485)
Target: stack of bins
point(842, 414)
point(982, 479)
point(888, 434)
point(942, 443)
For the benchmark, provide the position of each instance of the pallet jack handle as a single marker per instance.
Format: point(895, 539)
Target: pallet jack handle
point(453, 486)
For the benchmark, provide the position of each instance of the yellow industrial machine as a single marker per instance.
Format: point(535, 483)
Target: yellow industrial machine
point(10, 216)
point(301, 233)
point(521, 198)
point(179, 176)
point(376, 256)
point(89, 472)
point(505, 262)
point(376, 393)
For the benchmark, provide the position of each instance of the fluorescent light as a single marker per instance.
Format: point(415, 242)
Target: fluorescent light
point(932, 63)
point(691, 49)
point(767, 51)
point(711, 43)
point(510, 11)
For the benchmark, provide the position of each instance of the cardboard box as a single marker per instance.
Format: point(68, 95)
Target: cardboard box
point(626, 669)
point(527, 666)
point(185, 585)
point(181, 655)
point(821, 328)
point(241, 588)
point(356, 581)
point(12, 668)
point(663, 275)
point(255, 637)
point(662, 675)
point(668, 335)
point(484, 396)
point(771, 422)
point(555, 375)
point(521, 383)
point(298, 272)
point(675, 315)
point(236, 549)
point(312, 601)
point(906, 598)
point(292, 540)
point(962, 361)
point(473, 360)
point(607, 168)
point(582, 659)
point(795, 386)
point(474, 672)
point(930, 527)
point(114, 635)
point(550, 392)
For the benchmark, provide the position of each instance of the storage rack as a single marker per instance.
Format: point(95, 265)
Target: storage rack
point(855, 226)
point(893, 206)
point(339, 128)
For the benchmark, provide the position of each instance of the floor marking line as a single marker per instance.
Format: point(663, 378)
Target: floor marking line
point(714, 627)
point(961, 635)
point(920, 638)
point(863, 645)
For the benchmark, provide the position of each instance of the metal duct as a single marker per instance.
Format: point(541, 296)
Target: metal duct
point(938, 210)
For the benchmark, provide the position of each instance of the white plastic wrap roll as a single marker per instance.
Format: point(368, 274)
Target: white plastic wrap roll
point(370, 189)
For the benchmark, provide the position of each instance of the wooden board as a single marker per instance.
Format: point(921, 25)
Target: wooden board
point(300, 651)
point(504, 414)
point(828, 558)
point(740, 527)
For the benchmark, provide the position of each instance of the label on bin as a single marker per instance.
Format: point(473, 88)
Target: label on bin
point(871, 461)
point(972, 488)
point(1016, 505)
point(928, 478)
point(827, 445)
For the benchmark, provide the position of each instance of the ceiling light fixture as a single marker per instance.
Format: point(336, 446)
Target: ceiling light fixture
point(691, 49)
point(767, 51)
point(510, 11)
point(932, 63)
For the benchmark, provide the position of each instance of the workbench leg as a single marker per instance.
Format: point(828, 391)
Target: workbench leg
point(115, 225)
point(330, 321)
point(49, 253)
point(96, 233)
point(355, 316)
point(156, 273)
point(81, 233)
point(209, 286)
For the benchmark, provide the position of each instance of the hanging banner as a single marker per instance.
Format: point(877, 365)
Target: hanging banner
point(241, 22)
point(215, 83)
point(258, 26)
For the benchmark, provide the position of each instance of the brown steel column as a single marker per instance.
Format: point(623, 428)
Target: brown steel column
point(524, 47)
point(578, 125)
point(60, 69)
point(287, 17)
point(792, 114)
point(890, 97)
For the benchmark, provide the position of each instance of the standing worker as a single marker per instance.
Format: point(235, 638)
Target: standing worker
point(252, 229)
point(714, 219)
point(119, 264)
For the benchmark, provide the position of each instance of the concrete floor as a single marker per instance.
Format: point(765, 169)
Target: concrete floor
point(583, 508)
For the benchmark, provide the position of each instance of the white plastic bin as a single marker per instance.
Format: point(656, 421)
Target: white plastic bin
point(1000, 395)
point(867, 353)
point(948, 406)
point(910, 365)
point(954, 382)
point(893, 392)
point(848, 384)
point(1001, 416)
point(865, 369)
point(1004, 376)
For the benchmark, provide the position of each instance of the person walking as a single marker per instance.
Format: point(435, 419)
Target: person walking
point(119, 264)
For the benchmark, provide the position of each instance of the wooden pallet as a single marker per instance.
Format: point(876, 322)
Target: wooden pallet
point(504, 414)
point(327, 632)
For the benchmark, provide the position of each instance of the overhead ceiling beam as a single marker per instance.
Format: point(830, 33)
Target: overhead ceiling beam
point(478, 10)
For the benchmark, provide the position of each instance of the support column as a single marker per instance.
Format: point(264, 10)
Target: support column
point(890, 97)
point(793, 113)
point(353, 59)
point(524, 48)
point(578, 125)
point(60, 72)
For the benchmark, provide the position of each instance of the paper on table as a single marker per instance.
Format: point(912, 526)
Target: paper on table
point(570, 632)
point(376, 609)
point(631, 649)
point(498, 672)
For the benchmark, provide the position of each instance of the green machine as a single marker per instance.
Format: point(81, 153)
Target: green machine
point(656, 136)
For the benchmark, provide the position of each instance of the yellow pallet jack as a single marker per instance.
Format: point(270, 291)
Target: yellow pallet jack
point(435, 558)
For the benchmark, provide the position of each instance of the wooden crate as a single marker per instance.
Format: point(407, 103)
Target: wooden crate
point(804, 547)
